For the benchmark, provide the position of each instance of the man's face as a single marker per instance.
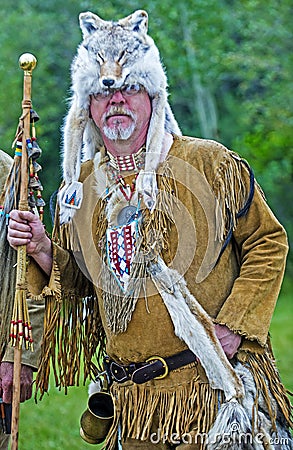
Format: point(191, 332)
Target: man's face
point(123, 114)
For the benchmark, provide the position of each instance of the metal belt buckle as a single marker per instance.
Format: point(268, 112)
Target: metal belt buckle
point(165, 366)
point(117, 370)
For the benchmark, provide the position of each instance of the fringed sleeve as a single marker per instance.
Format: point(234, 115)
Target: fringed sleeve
point(73, 334)
point(72, 328)
point(246, 228)
point(261, 244)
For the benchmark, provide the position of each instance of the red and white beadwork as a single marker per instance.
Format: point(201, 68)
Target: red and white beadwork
point(121, 245)
point(133, 162)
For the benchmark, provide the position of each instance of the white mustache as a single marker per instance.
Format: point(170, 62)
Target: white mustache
point(114, 110)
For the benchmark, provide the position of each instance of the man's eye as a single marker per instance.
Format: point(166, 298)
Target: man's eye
point(132, 89)
point(102, 94)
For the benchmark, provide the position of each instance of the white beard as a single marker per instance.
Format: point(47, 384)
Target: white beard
point(118, 132)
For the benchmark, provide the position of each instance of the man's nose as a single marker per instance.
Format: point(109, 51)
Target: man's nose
point(117, 97)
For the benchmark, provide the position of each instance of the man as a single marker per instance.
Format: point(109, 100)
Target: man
point(166, 252)
point(29, 359)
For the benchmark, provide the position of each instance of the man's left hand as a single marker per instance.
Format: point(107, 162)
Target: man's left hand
point(6, 382)
point(229, 340)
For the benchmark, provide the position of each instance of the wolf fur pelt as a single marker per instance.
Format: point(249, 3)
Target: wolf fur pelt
point(113, 54)
point(261, 433)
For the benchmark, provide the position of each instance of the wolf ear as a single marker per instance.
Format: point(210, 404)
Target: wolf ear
point(89, 23)
point(138, 21)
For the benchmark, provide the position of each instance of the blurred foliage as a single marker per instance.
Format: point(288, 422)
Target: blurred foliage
point(229, 65)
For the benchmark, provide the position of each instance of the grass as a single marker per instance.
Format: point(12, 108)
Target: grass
point(53, 423)
point(282, 334)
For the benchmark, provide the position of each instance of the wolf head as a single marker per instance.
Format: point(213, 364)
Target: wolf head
point(115, 53)
point(111, 55)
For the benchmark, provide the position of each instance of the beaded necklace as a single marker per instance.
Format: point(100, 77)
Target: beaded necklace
point(122, 211)
point(122, 163)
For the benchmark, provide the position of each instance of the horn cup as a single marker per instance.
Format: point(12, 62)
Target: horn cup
point(96, 421)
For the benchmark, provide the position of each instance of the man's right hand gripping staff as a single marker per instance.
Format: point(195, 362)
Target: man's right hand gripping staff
point(25, 228)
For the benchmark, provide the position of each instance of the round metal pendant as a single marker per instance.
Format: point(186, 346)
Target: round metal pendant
point(126, 215)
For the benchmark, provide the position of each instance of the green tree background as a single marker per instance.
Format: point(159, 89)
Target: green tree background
point(229, 65)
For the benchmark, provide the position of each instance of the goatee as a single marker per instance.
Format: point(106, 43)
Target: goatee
point(117, 131)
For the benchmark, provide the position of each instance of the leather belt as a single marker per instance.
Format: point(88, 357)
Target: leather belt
point(154, 367)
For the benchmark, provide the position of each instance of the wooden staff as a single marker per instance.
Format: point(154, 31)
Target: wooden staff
point(27, 63)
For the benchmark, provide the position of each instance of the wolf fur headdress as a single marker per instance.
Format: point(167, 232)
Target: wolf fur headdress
point(113, 54)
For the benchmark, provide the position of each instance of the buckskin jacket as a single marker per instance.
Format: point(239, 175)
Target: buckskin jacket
point(217, 238)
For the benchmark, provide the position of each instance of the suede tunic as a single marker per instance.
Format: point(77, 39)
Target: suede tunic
point(239, 290)
point(244, 284)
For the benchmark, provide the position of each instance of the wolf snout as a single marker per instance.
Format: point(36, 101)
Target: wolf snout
point(108, 82)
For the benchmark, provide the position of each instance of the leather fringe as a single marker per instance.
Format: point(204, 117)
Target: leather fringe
point(231, 193)
point(141, 410)
point(269, 384)
point(157, 225)
point(8, 256)
point(73, 335)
